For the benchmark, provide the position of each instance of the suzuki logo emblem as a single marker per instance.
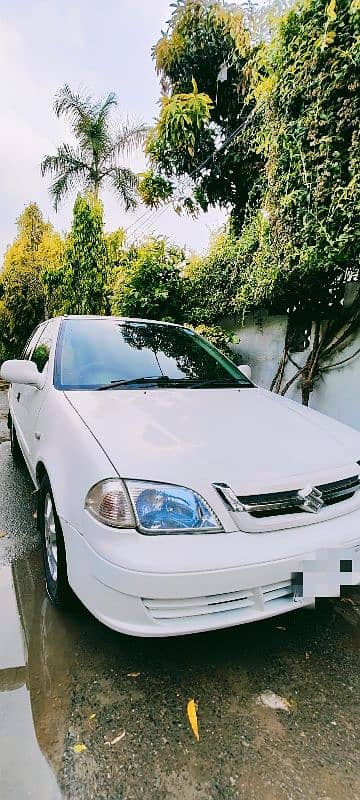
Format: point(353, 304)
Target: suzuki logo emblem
point(311, 499)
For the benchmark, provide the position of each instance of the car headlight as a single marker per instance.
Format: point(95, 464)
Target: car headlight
point(163, 507)
point(151, 507)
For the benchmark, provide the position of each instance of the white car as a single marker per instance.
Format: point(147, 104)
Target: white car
point(174, 495)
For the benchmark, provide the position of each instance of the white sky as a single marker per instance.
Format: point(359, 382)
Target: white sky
point(100, 47)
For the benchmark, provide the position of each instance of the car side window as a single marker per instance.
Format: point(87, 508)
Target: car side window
point(41, 352)
point(31, 343)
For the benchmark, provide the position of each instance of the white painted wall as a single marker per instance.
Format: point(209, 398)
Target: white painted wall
point(337, 393)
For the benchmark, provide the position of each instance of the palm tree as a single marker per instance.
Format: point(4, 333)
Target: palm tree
point(94, 162)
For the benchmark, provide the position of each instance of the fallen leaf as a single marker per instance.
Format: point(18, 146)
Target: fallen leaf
point(133, 674)
point(79, 748)
point(118, 738)
point(192, 717)
point(272, 700)
point(2, 534)
point(92, 716)
point(280, 628)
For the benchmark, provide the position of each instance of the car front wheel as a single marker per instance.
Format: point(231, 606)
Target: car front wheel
point(53, 546)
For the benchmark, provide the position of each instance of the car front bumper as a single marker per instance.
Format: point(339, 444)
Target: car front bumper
point(172, 600)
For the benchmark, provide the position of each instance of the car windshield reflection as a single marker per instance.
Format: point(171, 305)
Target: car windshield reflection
point(110, 353)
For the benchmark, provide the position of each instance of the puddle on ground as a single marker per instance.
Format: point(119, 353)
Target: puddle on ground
point(35, 646)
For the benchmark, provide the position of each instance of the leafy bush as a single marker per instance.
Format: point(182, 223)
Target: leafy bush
point(218, 337)
point(211, 282)
point(148, 283)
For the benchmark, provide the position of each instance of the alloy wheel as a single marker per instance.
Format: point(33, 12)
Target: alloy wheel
point(51, 548)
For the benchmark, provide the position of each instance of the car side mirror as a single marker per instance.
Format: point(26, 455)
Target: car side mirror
point(19, 370)
point(246, 370)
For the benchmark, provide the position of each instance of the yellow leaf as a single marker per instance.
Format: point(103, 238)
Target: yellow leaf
point(355, 6)
point(323, 41)
point(133, 674)
point(192, 717)
point(330, 11)
point(92, 716)
point(79, 748)
point(330, 37)
point(2, 534)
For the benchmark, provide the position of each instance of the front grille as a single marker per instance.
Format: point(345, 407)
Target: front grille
point(235, 607)
point(275, 591)
point(198, 606)
point(277, 503)
point(339, 490)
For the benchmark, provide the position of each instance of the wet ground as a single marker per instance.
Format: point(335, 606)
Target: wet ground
point(65, 681)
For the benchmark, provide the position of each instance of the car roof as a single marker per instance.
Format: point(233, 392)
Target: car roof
point(120, 319)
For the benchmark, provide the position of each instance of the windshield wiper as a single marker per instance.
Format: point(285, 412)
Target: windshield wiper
point(165, 380)
point(220, 382)
point(129, 381)
point(158, 380)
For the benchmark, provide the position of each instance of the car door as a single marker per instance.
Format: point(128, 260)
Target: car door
point(16, 391)
point(31, 398)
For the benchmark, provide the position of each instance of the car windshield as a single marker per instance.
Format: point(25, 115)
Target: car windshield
point(109, 353)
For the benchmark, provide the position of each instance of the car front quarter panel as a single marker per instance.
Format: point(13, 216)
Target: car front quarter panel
point(71, 456)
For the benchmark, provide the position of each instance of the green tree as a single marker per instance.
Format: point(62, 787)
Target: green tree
point(79, 284)
point(204, 60)
point(50, 260)
point(148, 283)
point(94, 162)
point(22, 292)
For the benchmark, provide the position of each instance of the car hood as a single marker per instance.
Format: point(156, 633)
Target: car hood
point(248, 438)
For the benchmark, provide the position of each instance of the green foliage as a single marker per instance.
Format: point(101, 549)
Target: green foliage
point(219, 337)
point(182, 131)
point(22, 293)
point(82, 279)
point(153, 189)
point(204, 62)
point(311, 144)
point(149, 284)
point(94, 162)
point(223, 283)
point(50, 258)
point(211, 282)
point(261, 277)
point(114, 243)
point(300, 241)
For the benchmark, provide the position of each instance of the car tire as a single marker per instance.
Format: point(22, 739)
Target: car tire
point(14, 445)
point(53, 547)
